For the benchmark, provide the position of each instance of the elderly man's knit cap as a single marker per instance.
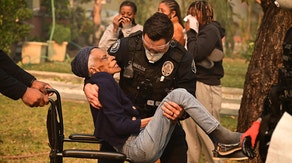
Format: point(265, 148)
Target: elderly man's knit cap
point(79, 65)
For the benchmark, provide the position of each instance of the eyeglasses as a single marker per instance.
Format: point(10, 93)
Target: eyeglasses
point(157, 49)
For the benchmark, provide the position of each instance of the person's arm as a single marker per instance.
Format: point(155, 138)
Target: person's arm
point(111, 33)
point(11, 87)
point(15, 83)
point(13, 70)
point(201, 44)
point(179, 35)
point(91, 93)
point(186, 74)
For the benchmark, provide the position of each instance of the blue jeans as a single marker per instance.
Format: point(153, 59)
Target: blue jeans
point(149, 144)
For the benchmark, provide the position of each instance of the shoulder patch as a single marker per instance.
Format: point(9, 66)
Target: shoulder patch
point(115, 47)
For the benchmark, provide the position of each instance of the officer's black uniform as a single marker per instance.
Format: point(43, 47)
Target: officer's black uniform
point(146, 84)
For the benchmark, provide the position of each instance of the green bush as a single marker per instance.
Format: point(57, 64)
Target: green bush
point(61, 34)
point(12, 17)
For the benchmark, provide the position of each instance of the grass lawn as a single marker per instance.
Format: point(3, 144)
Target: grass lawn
point(235, 70)
point(23, 130)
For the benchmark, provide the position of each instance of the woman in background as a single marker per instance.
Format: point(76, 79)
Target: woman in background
point(123, 25)
point(172, 10)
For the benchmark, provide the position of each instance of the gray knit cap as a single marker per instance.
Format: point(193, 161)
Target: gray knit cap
point(79, 65)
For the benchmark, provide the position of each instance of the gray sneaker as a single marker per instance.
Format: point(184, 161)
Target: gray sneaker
point(237, 155)
point(226, 149)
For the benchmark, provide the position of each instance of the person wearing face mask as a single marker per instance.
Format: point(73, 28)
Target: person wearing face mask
point(172, 10)
point(204, 42)
point(152, 65)
point(123, 25)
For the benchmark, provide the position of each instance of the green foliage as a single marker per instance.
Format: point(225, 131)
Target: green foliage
point(61, 34)
point(62, 10)
point(72, 25)
point(13, 13)
point(82, 27)
point(247, 54)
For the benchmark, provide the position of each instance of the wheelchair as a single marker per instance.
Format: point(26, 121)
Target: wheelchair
point(55, 129)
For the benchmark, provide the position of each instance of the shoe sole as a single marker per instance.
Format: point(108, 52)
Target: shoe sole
point(229, 151)
point(230, 159)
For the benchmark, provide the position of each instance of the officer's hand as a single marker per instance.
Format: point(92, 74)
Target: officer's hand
point(33, 98)
point(172, 110)
point(91, 93)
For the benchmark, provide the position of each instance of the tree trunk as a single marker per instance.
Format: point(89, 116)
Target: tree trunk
point(266, 60)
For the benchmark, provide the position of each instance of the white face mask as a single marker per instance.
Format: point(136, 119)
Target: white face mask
point(153, 57)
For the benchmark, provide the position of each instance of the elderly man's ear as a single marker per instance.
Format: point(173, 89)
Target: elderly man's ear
point(93, 70)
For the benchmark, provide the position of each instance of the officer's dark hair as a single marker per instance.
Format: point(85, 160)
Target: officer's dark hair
point(158, 26)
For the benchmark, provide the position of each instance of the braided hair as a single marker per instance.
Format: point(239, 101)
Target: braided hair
point(202, 8)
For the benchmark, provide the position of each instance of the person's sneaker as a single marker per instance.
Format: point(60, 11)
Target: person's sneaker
point(237, 155)
point(226, 149)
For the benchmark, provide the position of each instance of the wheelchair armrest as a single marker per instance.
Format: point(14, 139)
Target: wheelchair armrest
point(86, 138)
point(93, 154)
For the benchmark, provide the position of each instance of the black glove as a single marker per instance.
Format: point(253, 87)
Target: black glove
point(247, 147)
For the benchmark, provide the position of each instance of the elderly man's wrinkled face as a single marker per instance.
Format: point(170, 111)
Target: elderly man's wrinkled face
point(100, 61)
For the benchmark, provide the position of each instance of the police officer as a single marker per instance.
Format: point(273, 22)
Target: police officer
point(152, 65)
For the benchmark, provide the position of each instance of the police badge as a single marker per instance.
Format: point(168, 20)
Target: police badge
point(166, 69)
point(115, 47)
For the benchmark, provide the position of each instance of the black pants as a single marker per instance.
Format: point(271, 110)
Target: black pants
point(175, 151)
